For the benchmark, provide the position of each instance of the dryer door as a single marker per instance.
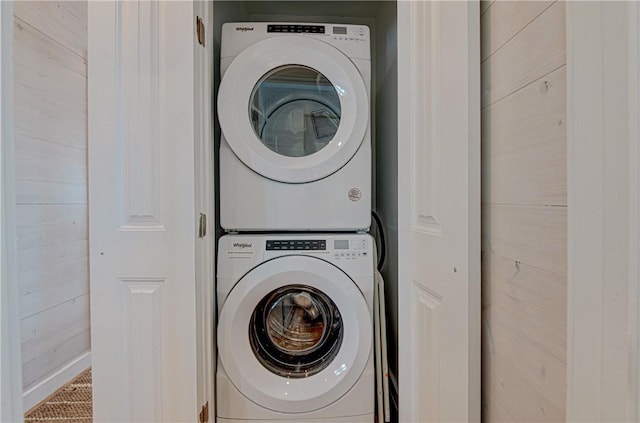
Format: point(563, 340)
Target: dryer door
point(295, 334)
point(293, 109)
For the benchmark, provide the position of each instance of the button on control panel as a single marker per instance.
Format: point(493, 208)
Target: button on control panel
point(298, 244)
point(352, 249)
point(335, 248)
point(351, 33)
point(299, 29)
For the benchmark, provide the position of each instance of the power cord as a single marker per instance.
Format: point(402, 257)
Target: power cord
point(380, 232)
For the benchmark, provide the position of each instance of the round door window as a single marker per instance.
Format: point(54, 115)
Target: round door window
point(295, 331)
point(294, 110)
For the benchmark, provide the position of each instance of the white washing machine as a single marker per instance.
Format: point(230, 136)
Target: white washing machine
point(294, 109)
point(295, 328)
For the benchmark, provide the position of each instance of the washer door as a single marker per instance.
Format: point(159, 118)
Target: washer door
point(294, 340)
point(293, 109)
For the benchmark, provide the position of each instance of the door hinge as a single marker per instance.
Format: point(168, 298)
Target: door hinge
point(200, 30)
point(202, 230)
point(204, 413)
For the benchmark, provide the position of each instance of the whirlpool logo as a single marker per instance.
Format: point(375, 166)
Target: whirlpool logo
point(244, 28)
point(242, 245)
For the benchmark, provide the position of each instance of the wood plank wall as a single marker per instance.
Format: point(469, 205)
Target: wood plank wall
point(50, 89)
point(524, 211)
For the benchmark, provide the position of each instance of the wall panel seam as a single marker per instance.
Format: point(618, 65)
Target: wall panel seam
point(518, 32)
point(33, 137)
point(59, 181)
point(507, 96)
point(35, 28)
point(523, 205)
point(26, 203)
point(57, 305)
point(491, 3)
point(520, 261)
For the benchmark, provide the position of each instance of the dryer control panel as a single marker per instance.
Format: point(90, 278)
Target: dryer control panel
point(352, 40)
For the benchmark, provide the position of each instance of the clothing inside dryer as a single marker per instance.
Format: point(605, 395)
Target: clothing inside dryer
point(295, 110)
point(296, 331)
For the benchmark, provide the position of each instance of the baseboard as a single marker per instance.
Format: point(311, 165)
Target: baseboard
point(40, 392)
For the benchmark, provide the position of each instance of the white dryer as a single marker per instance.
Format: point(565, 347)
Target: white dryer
point(294, 110)
point(295, 328)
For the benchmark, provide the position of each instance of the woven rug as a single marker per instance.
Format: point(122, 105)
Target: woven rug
point(71, 403)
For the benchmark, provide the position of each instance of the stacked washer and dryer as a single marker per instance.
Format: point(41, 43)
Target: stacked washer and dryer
point(295, 282)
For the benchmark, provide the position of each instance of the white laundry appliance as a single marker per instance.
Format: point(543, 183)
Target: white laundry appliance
point(294, 110)
point(295, 328)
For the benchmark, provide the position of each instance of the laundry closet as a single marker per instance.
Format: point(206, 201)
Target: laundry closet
point(306, 68)
point(156, 223)
point(379, 17)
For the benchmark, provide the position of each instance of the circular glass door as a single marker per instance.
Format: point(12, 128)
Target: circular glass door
point(296, 331)
point(294, 334)
point(294, 110)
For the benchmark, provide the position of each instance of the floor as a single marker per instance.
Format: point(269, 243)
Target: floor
point(71, 403)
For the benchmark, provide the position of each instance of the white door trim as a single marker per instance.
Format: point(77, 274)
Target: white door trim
point(603, 94)
point(205, 249)
point(11, 370)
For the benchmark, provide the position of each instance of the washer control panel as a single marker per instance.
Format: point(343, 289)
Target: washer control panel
point(353, 253)
point(337, 248)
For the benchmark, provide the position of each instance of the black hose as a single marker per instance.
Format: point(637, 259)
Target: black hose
point(382, 253)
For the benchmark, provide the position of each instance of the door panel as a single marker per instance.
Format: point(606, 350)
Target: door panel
point(141, 301)
point(144, 308)
point(439, 203)
point(426, 333)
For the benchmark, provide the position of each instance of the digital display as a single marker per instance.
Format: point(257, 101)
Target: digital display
point(340, 30)
point(341, 244)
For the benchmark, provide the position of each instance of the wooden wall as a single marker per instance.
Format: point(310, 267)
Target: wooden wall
point(524, 211)
point(50, 91)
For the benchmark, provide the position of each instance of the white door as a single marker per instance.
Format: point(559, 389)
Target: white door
point(439, 211)
point(149, 319)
